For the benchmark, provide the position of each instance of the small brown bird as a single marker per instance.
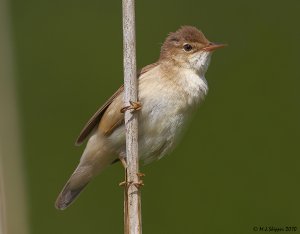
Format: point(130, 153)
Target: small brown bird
point(169, 91)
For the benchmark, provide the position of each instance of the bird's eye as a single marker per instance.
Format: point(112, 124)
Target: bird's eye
point(187, 47)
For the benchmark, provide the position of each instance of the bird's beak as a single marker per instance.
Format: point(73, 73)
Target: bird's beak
point(213, 46)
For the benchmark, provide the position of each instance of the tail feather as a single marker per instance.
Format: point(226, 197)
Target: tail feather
point(67, 196)
point(94, 159)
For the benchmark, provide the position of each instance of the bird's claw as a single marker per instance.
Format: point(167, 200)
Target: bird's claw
point(138, 184)
point(134, 106)
point(140, 174)
point(124, 183)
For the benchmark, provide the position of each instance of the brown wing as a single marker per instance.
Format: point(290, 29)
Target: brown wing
point(112, 117)
point(94, 120)
point(108, 116)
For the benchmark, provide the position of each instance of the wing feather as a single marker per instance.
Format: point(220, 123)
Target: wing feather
point(94, 120)
point(108, 116)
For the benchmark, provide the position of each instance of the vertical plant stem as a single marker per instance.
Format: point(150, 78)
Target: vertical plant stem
point(132, 207)
point(13, 207)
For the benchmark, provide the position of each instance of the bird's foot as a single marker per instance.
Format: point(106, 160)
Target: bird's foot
point(134, 106)
point(125, 183)
point(138, 184)
point(140, 174)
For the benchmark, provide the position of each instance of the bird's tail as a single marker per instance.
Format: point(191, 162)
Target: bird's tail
point(95, 158)
point(67, 196)
point(71, 191)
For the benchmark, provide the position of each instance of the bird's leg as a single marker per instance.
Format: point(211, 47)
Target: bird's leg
point(139, 184)
point(122, 157)
point(134, 106)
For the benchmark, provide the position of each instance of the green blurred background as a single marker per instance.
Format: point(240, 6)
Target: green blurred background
point(238, 164)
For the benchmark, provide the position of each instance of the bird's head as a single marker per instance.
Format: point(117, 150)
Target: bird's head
point(188, 48)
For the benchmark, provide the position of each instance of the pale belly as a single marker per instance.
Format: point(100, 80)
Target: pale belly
point(161, 120)
point(158, 134)
point(159, 131)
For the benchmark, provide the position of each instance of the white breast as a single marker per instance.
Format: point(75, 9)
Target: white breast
point(194, 85)
point(165, 110)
